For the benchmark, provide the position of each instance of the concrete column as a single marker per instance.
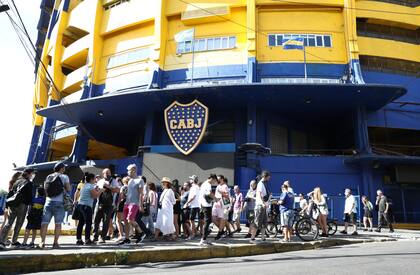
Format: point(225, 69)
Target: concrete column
point(361, 131)
point(80, 147)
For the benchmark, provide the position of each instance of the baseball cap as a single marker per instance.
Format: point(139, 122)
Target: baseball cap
point(131, 166)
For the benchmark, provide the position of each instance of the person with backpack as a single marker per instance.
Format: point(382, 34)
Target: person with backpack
point(105, 208)
point(55, 185)
point(367, 214)
point(34, 217)
point(18, 200)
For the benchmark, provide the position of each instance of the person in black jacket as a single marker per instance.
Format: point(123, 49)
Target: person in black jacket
point(18, 210)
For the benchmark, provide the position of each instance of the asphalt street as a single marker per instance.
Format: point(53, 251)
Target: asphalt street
point(402, 257)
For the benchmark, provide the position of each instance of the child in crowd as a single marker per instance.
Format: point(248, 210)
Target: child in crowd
point(34, 217)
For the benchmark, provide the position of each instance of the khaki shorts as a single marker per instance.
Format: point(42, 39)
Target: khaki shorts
point(261, 217)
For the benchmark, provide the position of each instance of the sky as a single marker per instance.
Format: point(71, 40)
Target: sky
point(17, 88)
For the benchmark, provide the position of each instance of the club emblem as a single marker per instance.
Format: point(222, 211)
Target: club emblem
point(186, 124)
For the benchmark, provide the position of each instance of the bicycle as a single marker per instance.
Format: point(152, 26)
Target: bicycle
point(273, 227)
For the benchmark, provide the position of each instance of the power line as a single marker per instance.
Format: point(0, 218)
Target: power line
point(54, 86)
point(351, 8)
point(246, 27)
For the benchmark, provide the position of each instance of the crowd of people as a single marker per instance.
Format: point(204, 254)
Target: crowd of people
point(129, 209)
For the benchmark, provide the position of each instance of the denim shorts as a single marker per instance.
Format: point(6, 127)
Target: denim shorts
point(53, 209)
point(286, 218)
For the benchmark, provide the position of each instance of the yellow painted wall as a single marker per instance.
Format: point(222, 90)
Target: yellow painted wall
point(215, 29)
point(396, 13)
point(127, 14)
point(139, 36)
point(294, 20)
point(176, 7)
point(332, 3)
point(389, 48)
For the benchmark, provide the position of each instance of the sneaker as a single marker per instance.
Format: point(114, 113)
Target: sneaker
point(95, 240)
point(42, 245)
point(80, 242)
point(247, 236)
point(263, 239)
point(31, 245)
point(204, 242)
point(370, 230)
point(107, 238)
point(141, 238)
point(218, 236)
point(323, 235)
point(101, 241)
point(354, 233)
point(365, 229)
point(378, 230)
point(56, 246)
point(89, 242)
point(253, 241)
point(125, 241)
point(391, 231)
point(16, 244)
point(238, 230)
point(343, 232)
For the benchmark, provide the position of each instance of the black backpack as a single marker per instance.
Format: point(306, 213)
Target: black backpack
point(53, 185)
point(106, 198)
point(15, 196)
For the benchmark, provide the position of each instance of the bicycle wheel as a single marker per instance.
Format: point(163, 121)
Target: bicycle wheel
point(306, 229)
point(332, 227)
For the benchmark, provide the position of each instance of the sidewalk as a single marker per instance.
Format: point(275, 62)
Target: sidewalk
point(70, 256)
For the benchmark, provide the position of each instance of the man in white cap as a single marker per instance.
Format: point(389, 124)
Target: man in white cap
point(133, 203)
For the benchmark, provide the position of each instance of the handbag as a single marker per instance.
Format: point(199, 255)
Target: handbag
point(146, 207)
point(68, 202)
point(76, 213)
point(160, 201)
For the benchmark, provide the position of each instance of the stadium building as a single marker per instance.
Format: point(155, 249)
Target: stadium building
point(184, 87)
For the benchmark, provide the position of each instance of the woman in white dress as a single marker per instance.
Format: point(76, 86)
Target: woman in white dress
point(165, 217)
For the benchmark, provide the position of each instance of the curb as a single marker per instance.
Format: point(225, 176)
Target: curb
point(50, 232)
point(51, 262)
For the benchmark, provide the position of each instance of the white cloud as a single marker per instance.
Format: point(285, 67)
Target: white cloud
point(16, 88)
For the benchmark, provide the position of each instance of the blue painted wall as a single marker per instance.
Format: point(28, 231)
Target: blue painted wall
point(297, 70)
point(393, 115)
point(305, 173)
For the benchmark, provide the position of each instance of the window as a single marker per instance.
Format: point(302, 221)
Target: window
point(309, 40)
point(272, 40)
point(207, 44)
point(128, 57)
point(114, 3)
point(319, 41)
point(327, 41)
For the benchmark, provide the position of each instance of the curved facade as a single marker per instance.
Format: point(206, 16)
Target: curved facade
point(353, 122)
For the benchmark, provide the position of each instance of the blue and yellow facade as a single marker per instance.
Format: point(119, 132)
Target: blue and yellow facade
point(353, 122)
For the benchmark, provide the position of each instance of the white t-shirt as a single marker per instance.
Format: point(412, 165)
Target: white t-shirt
point(205, 189)
point(114, 184)
point(303, 203)
point(350, 201)
point(260, 188)
point(194, 191)
point(65, 180)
